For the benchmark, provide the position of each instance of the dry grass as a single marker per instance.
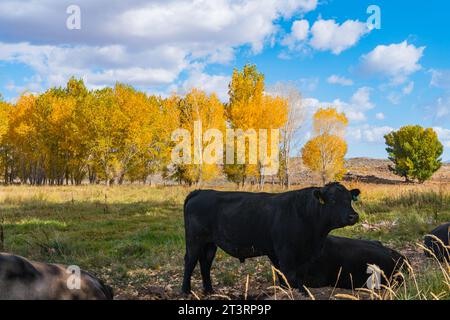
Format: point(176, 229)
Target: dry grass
point(133, 236)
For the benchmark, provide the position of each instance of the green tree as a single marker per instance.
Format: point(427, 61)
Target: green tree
point(415, 152)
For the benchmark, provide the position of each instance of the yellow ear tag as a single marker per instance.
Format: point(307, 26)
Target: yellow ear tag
point(321, 201)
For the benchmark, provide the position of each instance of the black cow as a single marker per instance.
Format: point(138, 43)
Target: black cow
point(21, 279)
point(349, 259)
point(441, 251)
point(290, 228)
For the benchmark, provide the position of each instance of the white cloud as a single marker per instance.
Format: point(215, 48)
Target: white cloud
point(145, 43)
point(335, 79)
point(380, 116)
point(354, 109)
point(396, 61)
point(440, 79)
point(444, 135)
point(376, 134)
point(361, 98)
point(368, 134)
point(395, 97)
point(329, 35)
point(441, 109)
point(209, 83)
point(99, 65)
point(299, 33)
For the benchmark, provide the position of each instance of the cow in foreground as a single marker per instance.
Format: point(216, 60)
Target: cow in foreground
point(344, 263)
point(21, 279)
point(441, 249)
point(290, 228)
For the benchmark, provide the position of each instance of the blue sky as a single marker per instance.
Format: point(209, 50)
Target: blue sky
point(383, 79)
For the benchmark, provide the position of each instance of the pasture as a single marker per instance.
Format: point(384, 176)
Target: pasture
point(132, 236)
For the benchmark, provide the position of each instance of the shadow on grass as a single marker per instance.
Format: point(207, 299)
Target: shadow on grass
point(91, 233)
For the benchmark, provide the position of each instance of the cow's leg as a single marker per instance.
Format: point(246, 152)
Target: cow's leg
point(190, 261)
point(206, 260)
point(293, 274)
point(276, 264)
point(300, 278)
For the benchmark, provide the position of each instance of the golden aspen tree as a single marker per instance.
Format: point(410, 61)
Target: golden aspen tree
point(208, 113)
point(325, 152)
point(22, 137)
point(78, 144)
point(251, 109)
point(103, 127)
point(5, 109)
point(329, 121)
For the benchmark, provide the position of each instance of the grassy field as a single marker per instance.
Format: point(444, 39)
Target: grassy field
point(133, 237)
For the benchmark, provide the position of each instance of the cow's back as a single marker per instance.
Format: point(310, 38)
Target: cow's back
point(441, 250)
point(239, 222)
point(22, 279)
point(349, 259)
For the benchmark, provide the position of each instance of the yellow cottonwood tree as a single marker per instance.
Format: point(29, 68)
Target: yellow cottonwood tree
point(209, 111)
point(5, 110)
point(22, 137)
point(53, 119)
point(325, 152)
point(250, 108)
point(329, 121)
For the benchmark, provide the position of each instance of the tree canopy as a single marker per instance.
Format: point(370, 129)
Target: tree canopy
point(325, 152)
point(415, 152)
point(71, 134)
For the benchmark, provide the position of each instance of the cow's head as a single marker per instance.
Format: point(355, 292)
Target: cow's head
point(336, 202)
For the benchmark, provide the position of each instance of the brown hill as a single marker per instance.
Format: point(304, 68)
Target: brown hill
point(364, 170)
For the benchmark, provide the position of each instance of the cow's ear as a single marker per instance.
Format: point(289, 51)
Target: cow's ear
point(319, 196)
point(355, 194)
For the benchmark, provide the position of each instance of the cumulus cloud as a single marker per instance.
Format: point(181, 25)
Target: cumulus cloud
point(324, 35)
point(98, 65)
point(139, 42)
point(335, 79)
point(396, 61)
point(354, 109)
point(209, 83)
point(328, 35)
point(444, 135)
point(361, 98)
point(368, 134)
point(299, 33)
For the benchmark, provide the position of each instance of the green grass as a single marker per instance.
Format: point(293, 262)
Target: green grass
point(134, 235)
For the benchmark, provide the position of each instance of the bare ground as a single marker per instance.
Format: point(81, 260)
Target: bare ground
point(166, 284)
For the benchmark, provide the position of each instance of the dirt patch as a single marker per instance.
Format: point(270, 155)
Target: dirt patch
point(145, 285)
